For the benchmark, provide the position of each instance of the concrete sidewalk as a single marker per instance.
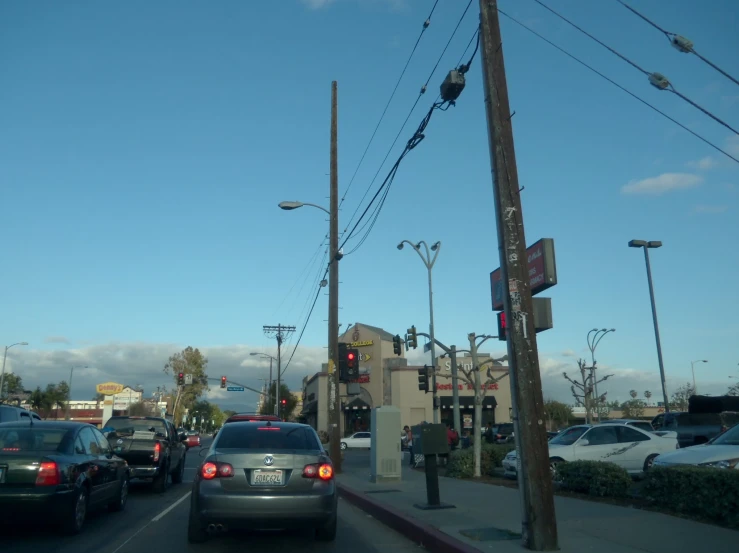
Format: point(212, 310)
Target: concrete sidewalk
point(484, 514)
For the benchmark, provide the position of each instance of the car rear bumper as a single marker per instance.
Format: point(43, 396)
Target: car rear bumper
point(264, 511)
point(22, 503)
point(143, 471)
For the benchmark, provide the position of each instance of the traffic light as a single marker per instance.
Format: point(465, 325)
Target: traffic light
point(348, 363)
point(181, 379)
point(397, 345)
point(502, 326)
point(223, 382)
point(423, 379)
point(283, 402)
point(411, 339)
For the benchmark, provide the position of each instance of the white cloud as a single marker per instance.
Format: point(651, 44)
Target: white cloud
point(704, 163)
point(56, 340)
point(662, 183)
point(569, 353)
point(711, 209)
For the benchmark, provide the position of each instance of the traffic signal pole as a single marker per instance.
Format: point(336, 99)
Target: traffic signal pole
point(539, 524)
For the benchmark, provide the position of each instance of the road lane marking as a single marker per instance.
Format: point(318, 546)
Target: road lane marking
point(168, 509)
point(155, 519)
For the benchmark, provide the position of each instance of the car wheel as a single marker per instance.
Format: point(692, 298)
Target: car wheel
point(649, 463)
point(161, 482)
point(75, 520)
point(121, 498)
point(343, 445)
point(328, 532)
point(180, 472)
point(196, 531)
point(553, 467)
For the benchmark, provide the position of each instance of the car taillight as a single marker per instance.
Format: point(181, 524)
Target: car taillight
point(211, 470)
point(157, 451)
point(269, 428)
point(323, 471)
point(48, 474)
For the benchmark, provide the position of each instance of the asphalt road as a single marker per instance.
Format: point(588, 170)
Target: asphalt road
point(154, 523)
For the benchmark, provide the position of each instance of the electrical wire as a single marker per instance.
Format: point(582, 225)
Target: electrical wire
point(300, 278)
point(614, 83)
point(663, 82)
point(426, 24)
point(680, 43)
point(397, 136)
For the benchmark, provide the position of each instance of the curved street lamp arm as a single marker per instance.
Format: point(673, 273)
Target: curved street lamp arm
point(319, 207)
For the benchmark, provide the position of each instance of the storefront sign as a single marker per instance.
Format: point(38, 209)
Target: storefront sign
point(109, 388)
point(361, 344)
point(363, 379)
point(493, 386)
point(542, 271)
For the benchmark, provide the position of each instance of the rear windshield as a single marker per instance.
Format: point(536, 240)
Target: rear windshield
point(273, 438)
point(27, 439)
point(126, 427)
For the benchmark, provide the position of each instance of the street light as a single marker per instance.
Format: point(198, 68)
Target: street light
point(692, 370)
point(646, 246)
point(289, 206)
point(592, 344)
point(69, 399)
point(5, 356)
point(429, 262)
point(269, 390)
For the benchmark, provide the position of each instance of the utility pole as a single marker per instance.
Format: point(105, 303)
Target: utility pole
point(455, 389)
point(334, 410)
point(280, 332)
point(539, 524)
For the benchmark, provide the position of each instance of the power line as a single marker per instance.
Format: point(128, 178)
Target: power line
point(657, 80)
point(614, 83)
point(405, 122)
point(680, 43)
point(300, 278)
point(426, 24)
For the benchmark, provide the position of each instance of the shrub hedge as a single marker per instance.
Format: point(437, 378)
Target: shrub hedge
point(594, 478)
point(462, 461)
point(709, 493)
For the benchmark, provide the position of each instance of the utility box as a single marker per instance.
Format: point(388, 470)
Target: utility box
point(385, 453)
point(430, 439)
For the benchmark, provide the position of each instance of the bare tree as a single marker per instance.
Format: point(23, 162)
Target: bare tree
point(583, 390)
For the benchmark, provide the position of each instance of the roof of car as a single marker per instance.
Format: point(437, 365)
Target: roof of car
point(622, 421)
point(279, 424)
point(45, 424)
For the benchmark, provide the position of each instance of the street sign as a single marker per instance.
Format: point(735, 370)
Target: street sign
point(188, 378)
point(235, 389)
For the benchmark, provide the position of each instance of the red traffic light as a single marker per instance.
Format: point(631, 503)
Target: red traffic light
point(223, 379)
point(182, 375)
point(283, 401)
point(350, 356)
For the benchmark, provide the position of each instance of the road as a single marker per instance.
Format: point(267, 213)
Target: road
point(153, 523)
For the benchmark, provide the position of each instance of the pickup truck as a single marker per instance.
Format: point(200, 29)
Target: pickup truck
point(152, 447)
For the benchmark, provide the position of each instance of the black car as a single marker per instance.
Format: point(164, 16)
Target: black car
point(57, 471)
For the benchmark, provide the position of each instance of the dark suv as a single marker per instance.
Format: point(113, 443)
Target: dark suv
point(10, 413)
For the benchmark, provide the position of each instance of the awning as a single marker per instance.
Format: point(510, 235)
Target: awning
point(467, 402)
point(357, 404)
point(310, 407)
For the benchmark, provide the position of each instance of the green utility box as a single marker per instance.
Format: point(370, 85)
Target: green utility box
point(430, 439)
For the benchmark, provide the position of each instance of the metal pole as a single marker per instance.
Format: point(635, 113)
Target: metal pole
point(433, 343)
point(692, 370)
point(455, 390)
point(334, 406)
point(2, 374)
point(279, 370)
point(269, 390)
point(69, 399)
point(656, 331)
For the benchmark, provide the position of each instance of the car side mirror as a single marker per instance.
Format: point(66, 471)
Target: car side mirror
point(182, 436)
point(584, 441)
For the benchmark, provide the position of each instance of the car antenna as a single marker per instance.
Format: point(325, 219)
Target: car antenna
point(269, 423)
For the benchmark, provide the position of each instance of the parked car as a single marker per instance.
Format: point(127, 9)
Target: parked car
point(11, 413)
point(503, 433)
point(357, 440)
point(629, 447)
point(264, 475)
point(151, 446)
point(720, 452)
point(695, 428)
point(58, 470)
point(644, 425)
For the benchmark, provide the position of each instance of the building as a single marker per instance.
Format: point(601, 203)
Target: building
point(387, 379)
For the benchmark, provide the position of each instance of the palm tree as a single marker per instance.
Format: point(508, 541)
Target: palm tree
point(647, 395)
point(633, 394)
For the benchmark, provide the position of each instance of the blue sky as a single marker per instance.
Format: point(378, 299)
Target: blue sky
point(144, 148)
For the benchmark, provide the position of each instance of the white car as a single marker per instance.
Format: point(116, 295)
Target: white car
point(627, 446)
point(357, 440)
point(720, 452)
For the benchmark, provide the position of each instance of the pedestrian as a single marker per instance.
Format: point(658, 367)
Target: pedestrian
point(409, 441)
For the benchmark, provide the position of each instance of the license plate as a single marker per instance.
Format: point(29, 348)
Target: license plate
point(267, 477)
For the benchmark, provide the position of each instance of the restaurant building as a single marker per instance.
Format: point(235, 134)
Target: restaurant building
point(387, 379)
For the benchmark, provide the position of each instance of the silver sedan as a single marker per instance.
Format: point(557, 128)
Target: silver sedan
point(264, 475)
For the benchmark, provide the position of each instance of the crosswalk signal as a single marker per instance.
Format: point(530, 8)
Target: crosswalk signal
point(423, 379)
point(181, 379)
point(397, 345)
point(223, 382)
point(411, 339)
point(502, 335)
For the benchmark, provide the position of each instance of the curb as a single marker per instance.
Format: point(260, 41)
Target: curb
point(427, 536)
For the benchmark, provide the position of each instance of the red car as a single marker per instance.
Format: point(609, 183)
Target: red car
point(193, 440)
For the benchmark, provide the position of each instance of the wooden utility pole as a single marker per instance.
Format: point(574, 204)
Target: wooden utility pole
point(334, 406)
point(539, 524)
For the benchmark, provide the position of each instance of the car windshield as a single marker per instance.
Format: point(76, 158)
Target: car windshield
point(273, 438)
point(126, 427)
point(26, 439)
point(569, 436)
point(730, 437)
